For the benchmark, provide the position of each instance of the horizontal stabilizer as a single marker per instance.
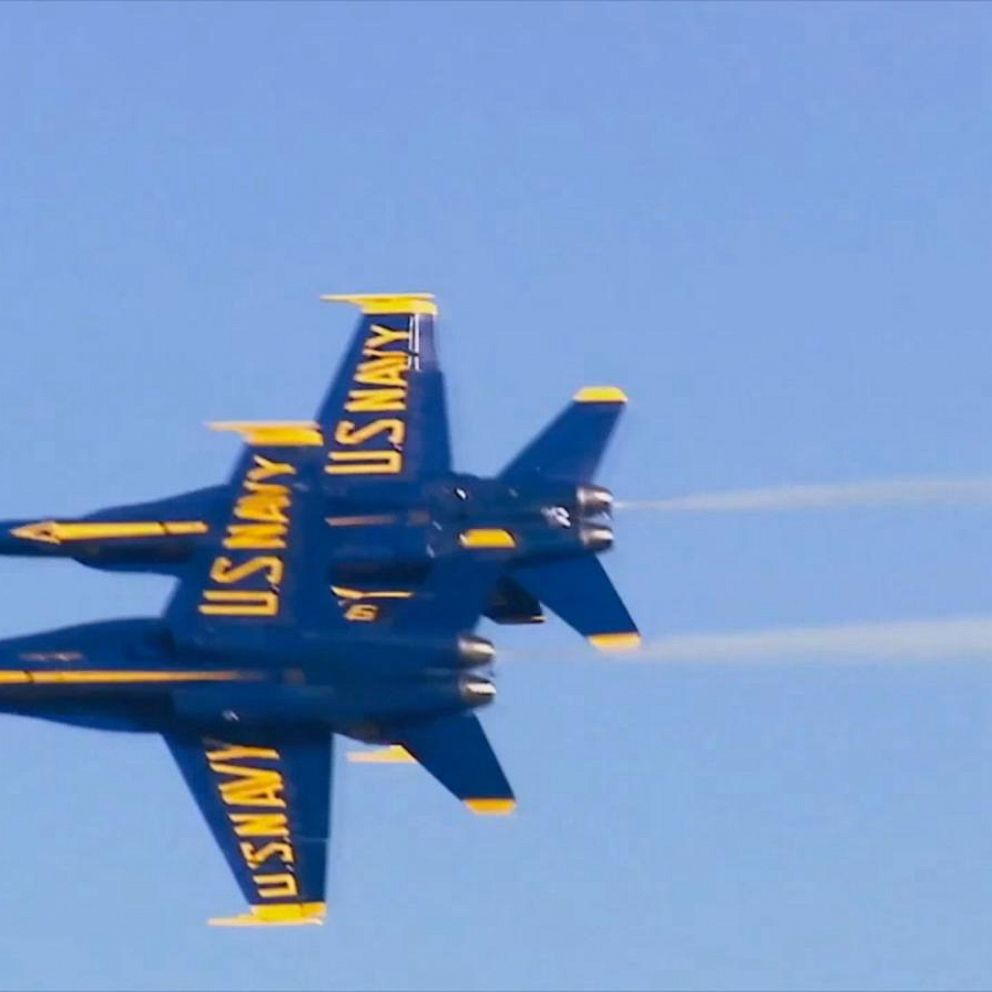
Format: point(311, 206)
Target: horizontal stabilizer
point(572, 445)
point(583, 595)
point(456, 751)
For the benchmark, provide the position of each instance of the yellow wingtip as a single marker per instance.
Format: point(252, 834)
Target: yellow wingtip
point(292, 914)
point(273, 433)
point(627, 641)
point(600, 394)
point(386, 303)
point(396, 754)
point(491, 807)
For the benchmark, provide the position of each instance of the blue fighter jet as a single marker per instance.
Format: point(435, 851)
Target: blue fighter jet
point(331, 586)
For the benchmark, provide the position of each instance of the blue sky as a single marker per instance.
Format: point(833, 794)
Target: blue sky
point(769, 224)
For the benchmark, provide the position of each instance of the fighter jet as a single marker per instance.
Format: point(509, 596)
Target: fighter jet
point(331, 587)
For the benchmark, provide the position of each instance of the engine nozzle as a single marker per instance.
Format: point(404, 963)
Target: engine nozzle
point(596, 538)
point(476, 691)
point(594, 500)
point(474, 651)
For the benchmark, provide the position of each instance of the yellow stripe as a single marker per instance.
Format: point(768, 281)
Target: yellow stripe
point(54, 532)
point(491, 807)
point(343, 592)
point(616, 642)
point(285, 914)
point(273, 433)
point(600, 394)
point(385, 303)
point(482, 537)
point(97, 677)
point(396, 754)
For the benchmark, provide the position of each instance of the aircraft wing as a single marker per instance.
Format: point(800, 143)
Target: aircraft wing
point(384, 417)
point(266, 799)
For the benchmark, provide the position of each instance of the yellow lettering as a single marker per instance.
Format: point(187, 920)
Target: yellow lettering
point(265, 469)
point(381, 336)
point(388, 371)
point(363, 612)
point(235, 603)
point(255, 536)
point(262, 507)
point(225, 572)
point(251, 786)
point(269, 488)
point(275, 886)
point(347, 432)
point(365, 463)
point(260, 824)
point(257, 856)
point(375, 400)
point(232, 752)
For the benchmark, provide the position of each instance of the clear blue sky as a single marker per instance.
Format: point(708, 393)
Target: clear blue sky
point(769, 224)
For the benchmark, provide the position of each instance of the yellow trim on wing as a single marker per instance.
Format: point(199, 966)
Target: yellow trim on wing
point(486, 537)
point(386, 303)
point(287, 914)
point(343, 592)
point(626, 641)
point(55, 532)
point(600, 394)
point(111, 677)
point(395, 754)
point(491, 807)
point(273, 433)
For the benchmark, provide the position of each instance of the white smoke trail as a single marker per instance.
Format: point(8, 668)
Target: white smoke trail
point(822, 497)
point(900, 640)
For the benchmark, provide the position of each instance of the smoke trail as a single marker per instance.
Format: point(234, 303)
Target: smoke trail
point(823, 497)
point(907, 640)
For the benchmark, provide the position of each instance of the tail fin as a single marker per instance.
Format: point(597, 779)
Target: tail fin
point(572, 445)
point(582, 594)
point(456, 751)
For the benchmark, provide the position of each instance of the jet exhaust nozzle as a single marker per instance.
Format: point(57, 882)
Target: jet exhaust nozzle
point(476, 691)
point(594, 500)
point(597, 538)
point(474, 651)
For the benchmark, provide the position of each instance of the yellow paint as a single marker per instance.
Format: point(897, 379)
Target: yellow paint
point(235, 752)
point(256, 856)
point(483, 537)
point(491, 807)
point(343, 592)
point(260, 825)
point(348, 432)
point(273, 433)
point(395, 754)
point(280, 914)
point(364, 463)
point(600, 394)
point(255, 537)
point(225, 572)
point(108, 677)
point(56, 532)
point(362, 612)
point(625, 641)
point(277, 885)
point(239, 603)
point(250, 786)
point(375, 303)
point(375, 400)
